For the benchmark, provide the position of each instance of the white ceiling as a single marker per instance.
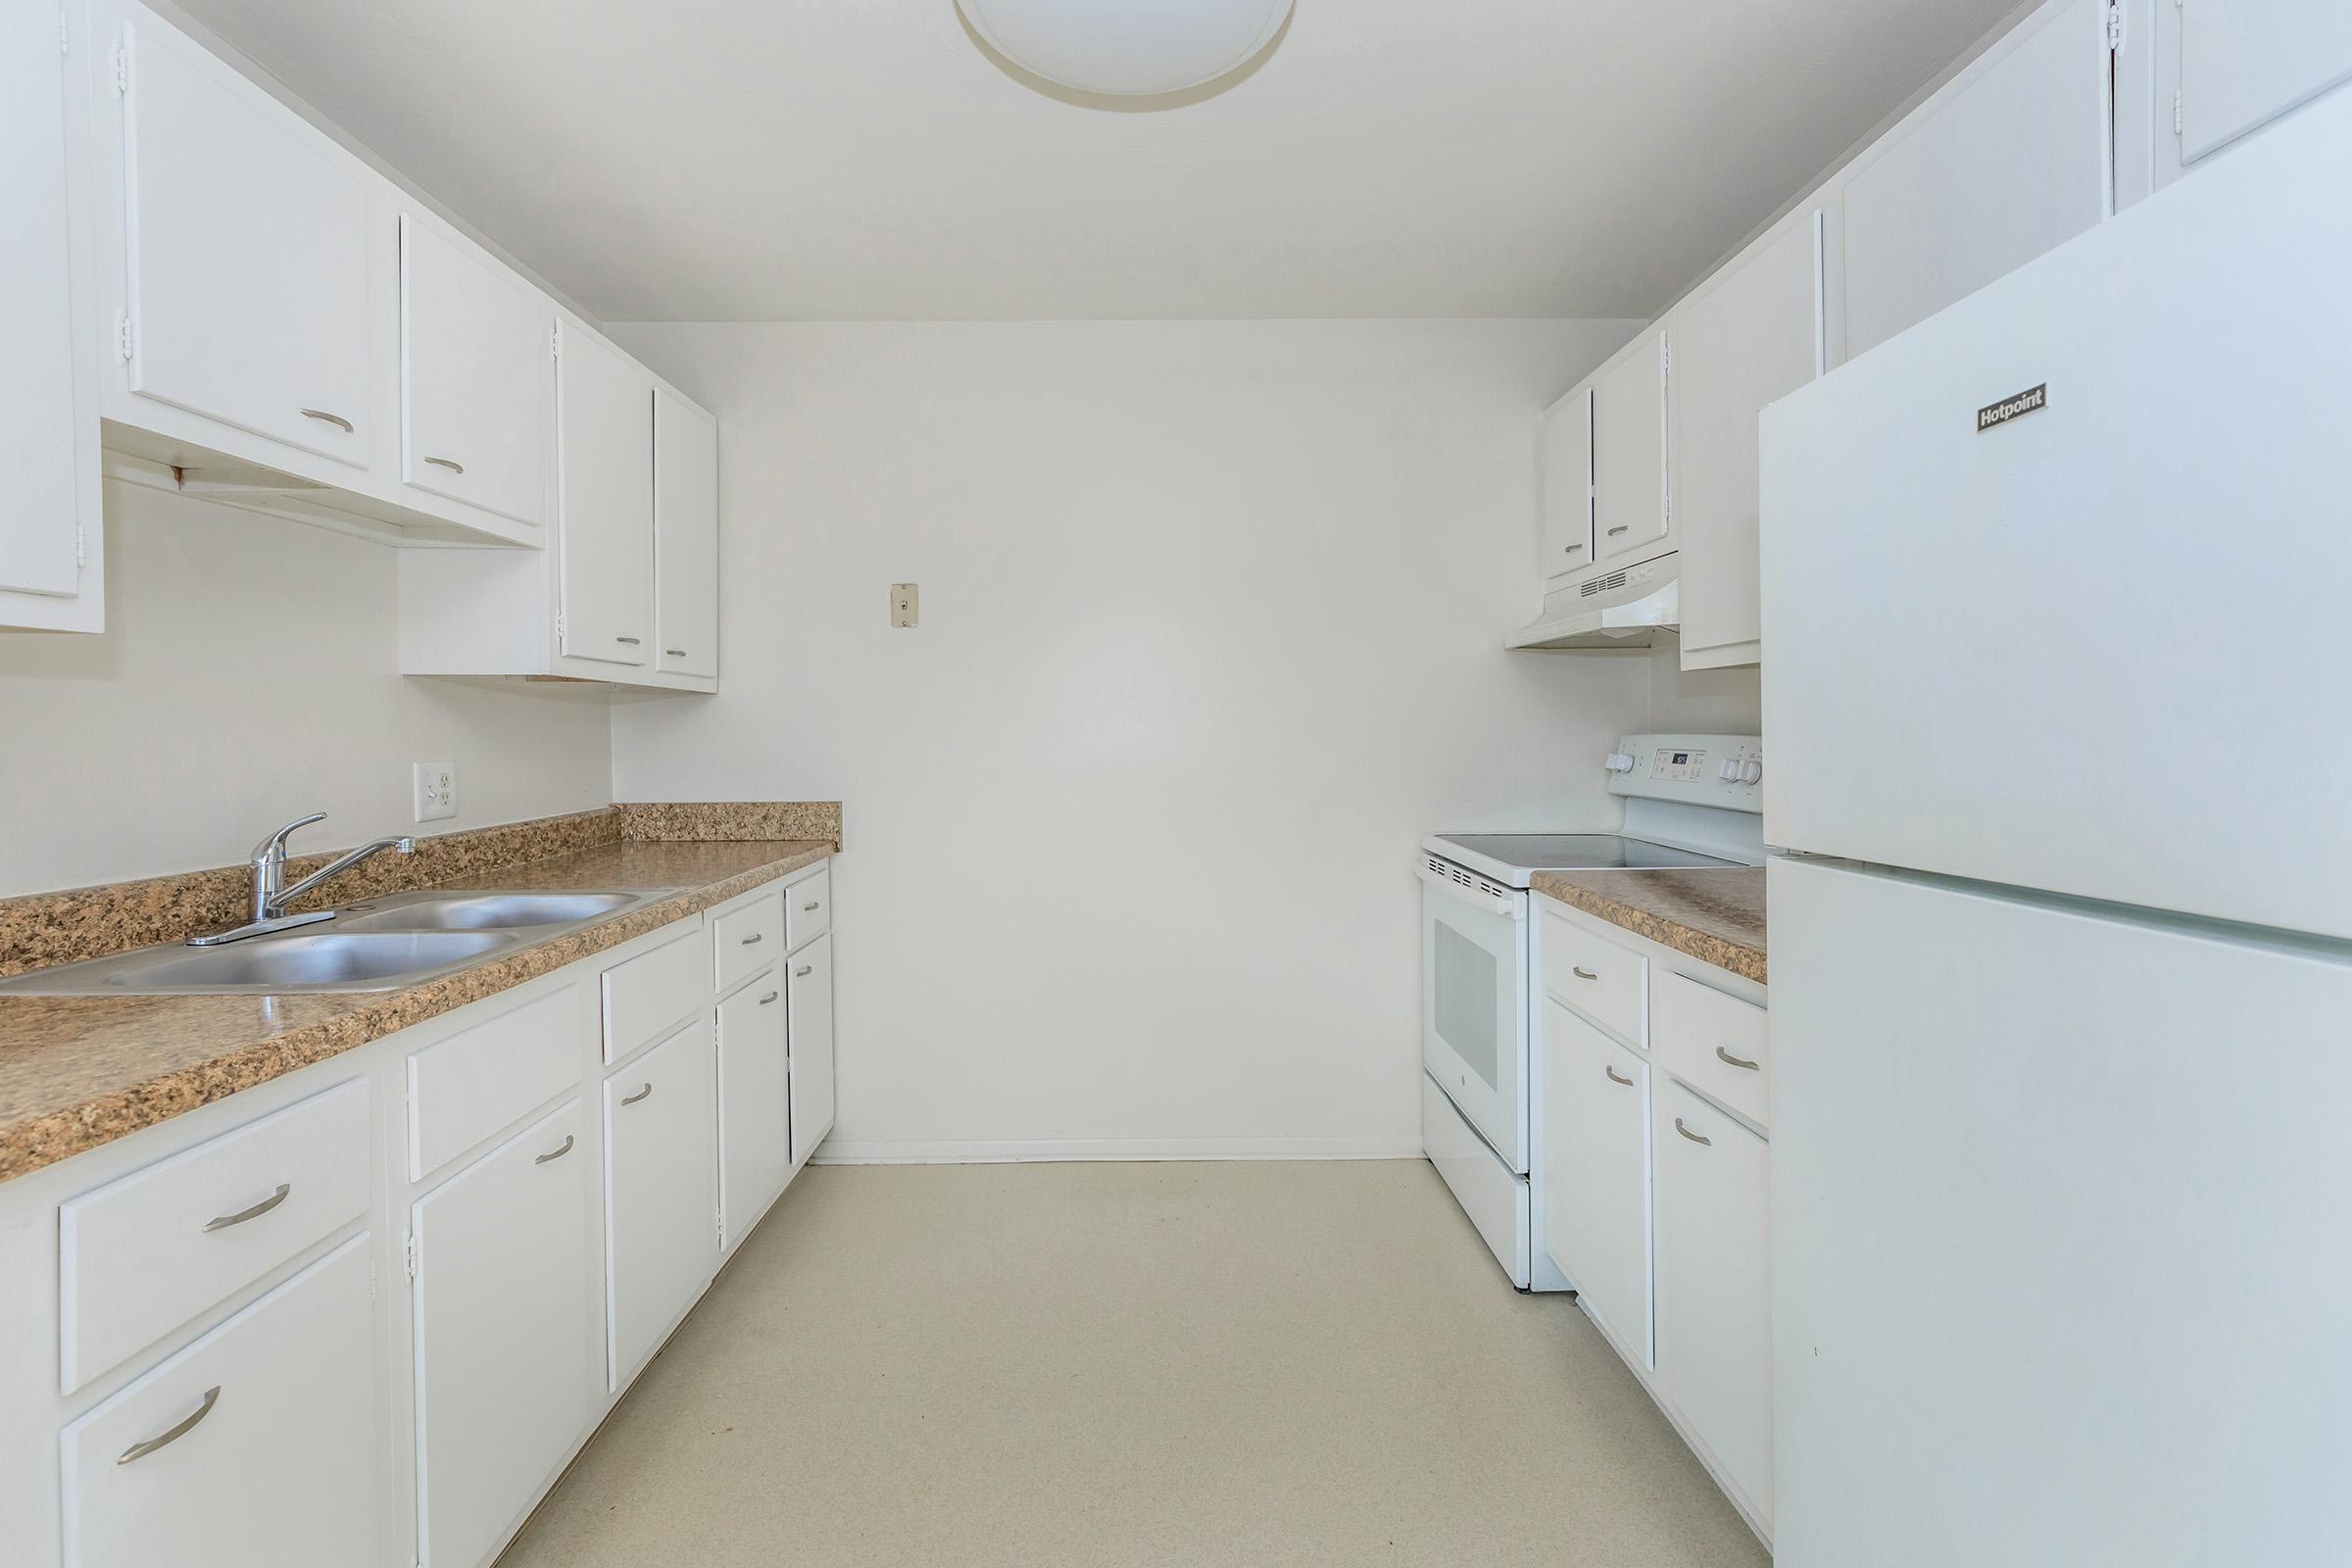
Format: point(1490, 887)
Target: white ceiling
point(752, 160)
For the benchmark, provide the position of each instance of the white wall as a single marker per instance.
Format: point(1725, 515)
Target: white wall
point(247, 676)
point(1211, 620)
point(1702, 702)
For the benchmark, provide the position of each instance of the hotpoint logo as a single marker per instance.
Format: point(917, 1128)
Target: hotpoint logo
point(2001, 412)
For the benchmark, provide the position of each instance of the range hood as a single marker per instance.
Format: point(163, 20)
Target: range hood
point(1623, 608)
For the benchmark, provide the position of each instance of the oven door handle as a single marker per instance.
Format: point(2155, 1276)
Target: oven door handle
point(1476, 898)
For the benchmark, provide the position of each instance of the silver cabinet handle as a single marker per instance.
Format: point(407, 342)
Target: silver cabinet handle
point(631, 640)
point(771, 996)
point(810, 908)
point(756, 935)
point(1572, 550)
point(1688, 1133)
point(1735, 1061)
point(631, 1099)
point(140, 1450)
point(1619, 528)
point(324, 417)
point(1615, 1079)
point(557, 1153)
point(674, 653)
point(1582, 974)
point(255, 1212)
point(803, 970)
point(451, 464)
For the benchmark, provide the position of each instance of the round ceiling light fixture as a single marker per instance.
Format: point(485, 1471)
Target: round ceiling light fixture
point(1127, 48)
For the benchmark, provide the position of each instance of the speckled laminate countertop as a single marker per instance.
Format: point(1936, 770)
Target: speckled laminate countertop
point(1714, 915)
point(79, 1071)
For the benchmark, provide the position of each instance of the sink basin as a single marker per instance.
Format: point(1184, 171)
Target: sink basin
point(303, 961)
point(483, 911)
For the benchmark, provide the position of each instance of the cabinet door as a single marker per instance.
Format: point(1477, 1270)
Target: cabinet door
point(48, 442)
point(809, 991)
point(2008, 161)
point(754, 1099)
point(2245, 61)
point(1568, 484)
point(255, 1446)
point(604, 428)
point(1628, 451)
point(248, 236)
point(685, 536)
point(660, 1194)
point(1714, 1343)
point(1597, 1173)
point(504, 1353)
point(1754, 336)
point(475, 378)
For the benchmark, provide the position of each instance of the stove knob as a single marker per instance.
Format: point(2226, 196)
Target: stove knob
point(1619, 762)
point(1751, 771)
point(1729, 772)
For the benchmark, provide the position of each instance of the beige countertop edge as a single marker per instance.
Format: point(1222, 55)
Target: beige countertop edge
point(1716, 916)
point(44, 1137)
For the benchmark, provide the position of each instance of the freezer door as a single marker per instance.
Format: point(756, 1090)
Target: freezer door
point(2057, 1259)
point(2092, 646)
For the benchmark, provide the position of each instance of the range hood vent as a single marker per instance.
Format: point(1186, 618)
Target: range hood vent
point(1623, 608)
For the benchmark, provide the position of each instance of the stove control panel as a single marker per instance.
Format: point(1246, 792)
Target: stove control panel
point(1726, 771)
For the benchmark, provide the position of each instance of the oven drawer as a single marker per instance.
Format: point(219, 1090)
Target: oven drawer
point(1607, 984)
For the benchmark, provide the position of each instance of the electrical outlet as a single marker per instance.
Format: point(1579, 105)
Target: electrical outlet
point(435, 787)
point(905, 604)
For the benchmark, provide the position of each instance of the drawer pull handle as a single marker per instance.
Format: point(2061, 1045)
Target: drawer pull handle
point(771, 996)
point(754, 937)
point(255, 1212)
point(631, 640)
point(810, 908)
point(804, 971)
point(1735, 1061)
point(1619, 528)
point(557, 1153)
point(140, 1450)
point(674, 653)
point(631, 1099)
point(1613, 1078)
point(1688, 1133)
point(451, 464)
point(324, 417)
point(1582, 974)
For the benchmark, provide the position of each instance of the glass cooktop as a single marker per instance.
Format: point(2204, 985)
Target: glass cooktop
point(1572, 852)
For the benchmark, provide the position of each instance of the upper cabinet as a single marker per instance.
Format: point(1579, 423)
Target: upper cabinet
point(1568, 484)
point(2225, 68)
point(2010, 160)
point(1755, 334)
point(686, 536)
point(1628, 451)
point(49, 523)
point(247, 235)
point(476, 358)
point(604, 413)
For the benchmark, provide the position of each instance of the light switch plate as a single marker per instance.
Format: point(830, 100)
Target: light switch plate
point(905, 604)
point(435, 788)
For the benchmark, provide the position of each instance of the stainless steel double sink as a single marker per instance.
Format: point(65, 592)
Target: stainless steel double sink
point(379, 945)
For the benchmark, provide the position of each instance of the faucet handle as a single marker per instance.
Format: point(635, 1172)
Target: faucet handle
point(273, 847)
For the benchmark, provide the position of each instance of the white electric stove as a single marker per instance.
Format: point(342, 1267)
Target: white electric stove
point(1693, 803)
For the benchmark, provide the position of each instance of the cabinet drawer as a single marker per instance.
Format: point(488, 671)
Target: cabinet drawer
point(1715, 1042)
point(808, 910)
point(747, 940)
point(647, 996)
point(260, 1440)
point(141, 1256)
point(1606, 983)
point(472, 1084)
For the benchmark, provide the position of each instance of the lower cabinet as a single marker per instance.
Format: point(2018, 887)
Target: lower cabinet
point(505, 1340)
point(660, 1197)
point(257, 1445)
point(810, 990)
point(1714, 1285)
point(1597, 1173)
point(754, 1099)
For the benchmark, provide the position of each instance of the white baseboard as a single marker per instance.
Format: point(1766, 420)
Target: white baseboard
point(840, 1152)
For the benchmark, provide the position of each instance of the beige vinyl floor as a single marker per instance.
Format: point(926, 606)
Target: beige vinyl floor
point(1130, 1365)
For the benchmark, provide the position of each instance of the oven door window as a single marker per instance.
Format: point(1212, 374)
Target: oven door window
point(1466, 993)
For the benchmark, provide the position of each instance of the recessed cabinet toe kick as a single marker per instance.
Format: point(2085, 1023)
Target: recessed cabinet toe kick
point(364, 1314)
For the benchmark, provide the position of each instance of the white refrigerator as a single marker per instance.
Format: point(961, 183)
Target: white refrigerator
point(2058, 678)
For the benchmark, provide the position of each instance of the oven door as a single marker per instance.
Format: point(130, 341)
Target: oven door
point(1474, 1000)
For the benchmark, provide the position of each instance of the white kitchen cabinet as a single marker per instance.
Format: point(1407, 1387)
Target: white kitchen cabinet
point(1755, 334)
point(660, 1194)
point(1568, 484)
point(1628, 451)
point(2009, 160)
point(49, 525)
point(257, 1445)
point(605, 432)
point(755, 1102)
point(1597, 1174)
point(1714, 1286)
point(248, 270)
point(809, 992)
point(685, 536)
point(476, 350)
point(504, 1336)
point(2238, 65)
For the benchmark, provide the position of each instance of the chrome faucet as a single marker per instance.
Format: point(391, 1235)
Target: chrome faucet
point(272, 894)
